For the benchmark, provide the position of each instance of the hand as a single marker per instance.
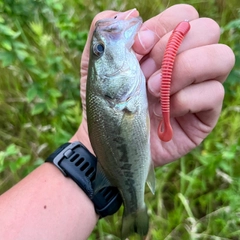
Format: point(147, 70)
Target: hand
point(201, 66)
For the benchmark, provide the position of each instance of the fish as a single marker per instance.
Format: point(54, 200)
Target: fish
point(118, 118)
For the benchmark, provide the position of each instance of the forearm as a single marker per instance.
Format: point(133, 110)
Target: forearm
point(46, 205)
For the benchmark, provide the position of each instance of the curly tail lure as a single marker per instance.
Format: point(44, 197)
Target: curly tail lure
point(165, 131)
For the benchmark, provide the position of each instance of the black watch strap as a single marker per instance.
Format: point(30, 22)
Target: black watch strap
point(75, 161)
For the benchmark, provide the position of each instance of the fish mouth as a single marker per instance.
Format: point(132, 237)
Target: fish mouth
point(113, 29)
point(118, 28)
point(112, 24)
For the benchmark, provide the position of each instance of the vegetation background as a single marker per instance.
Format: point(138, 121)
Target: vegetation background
point(198, 197)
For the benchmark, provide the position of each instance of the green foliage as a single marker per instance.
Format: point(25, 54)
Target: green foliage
point(13, 162)
point(41, 43)
point(40, 51)
point(231, 31)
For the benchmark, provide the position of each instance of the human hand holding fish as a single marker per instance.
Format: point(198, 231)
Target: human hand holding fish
point(201, 66)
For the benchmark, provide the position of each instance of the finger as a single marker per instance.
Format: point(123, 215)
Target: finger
point(195, 66)
point(206, 113)
point(156, 27)
point(203, 31)
point(204, 100)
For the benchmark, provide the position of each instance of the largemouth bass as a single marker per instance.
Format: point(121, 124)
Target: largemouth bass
point(118, 119)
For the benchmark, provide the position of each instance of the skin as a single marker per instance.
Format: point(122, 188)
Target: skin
point(46, 205)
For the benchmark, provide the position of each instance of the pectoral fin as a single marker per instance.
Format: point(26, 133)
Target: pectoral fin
point(151, 178)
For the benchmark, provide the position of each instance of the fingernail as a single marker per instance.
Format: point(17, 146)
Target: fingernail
point(125, 15)
point(146, 38)
point(154, 83)
point(157, 111)
point(130, 12)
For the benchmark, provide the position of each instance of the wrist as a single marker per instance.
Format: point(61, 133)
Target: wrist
point(77, 163)
point(82, 136)
point(81, 215)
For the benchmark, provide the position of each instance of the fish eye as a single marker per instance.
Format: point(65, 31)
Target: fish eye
point(98, 49)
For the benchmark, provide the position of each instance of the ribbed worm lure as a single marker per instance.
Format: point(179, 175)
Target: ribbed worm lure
point(165, 131)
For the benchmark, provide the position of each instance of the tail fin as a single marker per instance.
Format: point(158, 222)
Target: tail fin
point(137, 222)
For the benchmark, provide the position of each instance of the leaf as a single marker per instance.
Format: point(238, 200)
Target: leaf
point(11, 150)
point(67, 104)
point(6, 44)
point(39, 72)
point(23, 160)
point(30, 62)
point(8, 31)
point(7, 58)
point(2, 20)
point(37, 28)
point(51, 103)
point(228, 155)
point(38, 108)
point(233, 24)
point(21, 54)
point(13, 167)
point(19, 163)
point(54, 93)
point(32, 93)
point(18, 44)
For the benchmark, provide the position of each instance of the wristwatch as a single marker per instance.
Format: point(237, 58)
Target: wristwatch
point(76, 162)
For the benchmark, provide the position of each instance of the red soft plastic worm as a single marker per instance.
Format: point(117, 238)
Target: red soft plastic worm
point(165, 131)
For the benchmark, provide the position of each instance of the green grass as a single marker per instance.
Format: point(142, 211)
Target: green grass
point(41, 42)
